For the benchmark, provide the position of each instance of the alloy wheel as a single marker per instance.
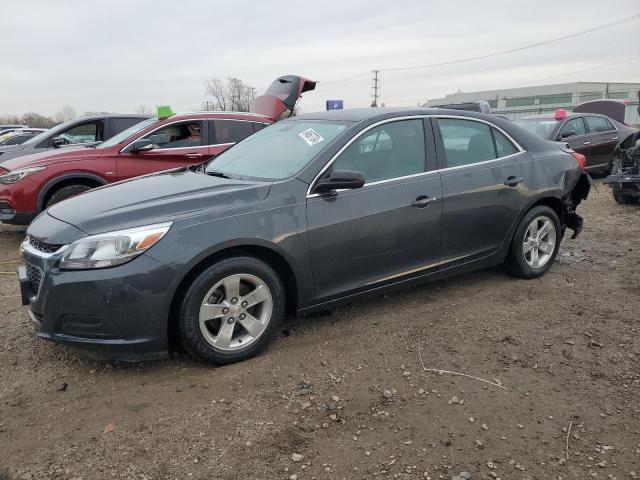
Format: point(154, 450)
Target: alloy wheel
point(235, 312)
point(539, 242)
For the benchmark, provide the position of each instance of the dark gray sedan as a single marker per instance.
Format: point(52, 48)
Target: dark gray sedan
point(311, 211)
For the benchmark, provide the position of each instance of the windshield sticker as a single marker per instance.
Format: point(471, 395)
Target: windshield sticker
point(311, 136)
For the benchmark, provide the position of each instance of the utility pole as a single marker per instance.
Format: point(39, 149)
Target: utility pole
point(606, 92)
point(375, 88)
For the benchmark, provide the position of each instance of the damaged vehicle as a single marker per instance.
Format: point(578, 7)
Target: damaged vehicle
point(314, 210)
point(625, 174)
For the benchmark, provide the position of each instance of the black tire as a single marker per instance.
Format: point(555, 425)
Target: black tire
point(191, 336)
point(66, 192)
point(623, 198)
point(516, 262)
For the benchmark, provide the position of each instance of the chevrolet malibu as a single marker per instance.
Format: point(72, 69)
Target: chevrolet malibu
point(314, 210)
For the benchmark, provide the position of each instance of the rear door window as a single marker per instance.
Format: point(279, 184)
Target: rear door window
point(599, 124)
point(84, 133)
point(231, 131)
point(466, 141)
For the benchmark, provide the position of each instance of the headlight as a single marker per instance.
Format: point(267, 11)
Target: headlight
point(16, 175)
point(113, 248)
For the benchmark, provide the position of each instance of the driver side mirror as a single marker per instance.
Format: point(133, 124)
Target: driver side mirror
point(340, 179)
point(567, 133)
point(57, 142)
point(142, 145)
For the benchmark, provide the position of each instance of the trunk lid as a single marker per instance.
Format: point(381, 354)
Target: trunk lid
point(282, 95)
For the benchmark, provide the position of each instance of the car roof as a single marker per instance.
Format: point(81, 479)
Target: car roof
point(374, 113)
point(551, 116)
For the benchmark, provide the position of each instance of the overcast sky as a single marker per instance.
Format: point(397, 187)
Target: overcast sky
point(113, 55)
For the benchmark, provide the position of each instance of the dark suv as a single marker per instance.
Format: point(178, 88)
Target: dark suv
point(82, 131)
point(595, 136)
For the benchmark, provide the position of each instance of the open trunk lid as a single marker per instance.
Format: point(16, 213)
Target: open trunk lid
point(282, 95)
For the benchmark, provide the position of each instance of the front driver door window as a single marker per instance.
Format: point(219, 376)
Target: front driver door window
point(580, 141)
point(176, 144)
point(378, 233)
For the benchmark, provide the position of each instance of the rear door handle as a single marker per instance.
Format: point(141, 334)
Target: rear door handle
point(194, 155)
point(587, 143)
point(423, 201)
point(513, 181)
point(614, 138)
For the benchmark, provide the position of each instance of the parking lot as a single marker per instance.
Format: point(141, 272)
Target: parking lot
point(344, 394)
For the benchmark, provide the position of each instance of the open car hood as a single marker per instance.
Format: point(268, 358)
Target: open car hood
point(282, 95)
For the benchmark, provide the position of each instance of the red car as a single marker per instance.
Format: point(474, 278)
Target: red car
point(32, 183)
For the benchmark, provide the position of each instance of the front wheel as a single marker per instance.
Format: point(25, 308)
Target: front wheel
point(232, 310)
point(535, 243)
point(66, 192)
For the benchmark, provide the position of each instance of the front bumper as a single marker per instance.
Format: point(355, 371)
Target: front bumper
point(9, 215)
point(119, 313)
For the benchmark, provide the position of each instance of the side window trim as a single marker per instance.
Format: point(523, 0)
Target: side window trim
point(362, 132)
point(564, 125)
point(399, 177)
point(442, 166)
point(606, 120)
point(203, 125)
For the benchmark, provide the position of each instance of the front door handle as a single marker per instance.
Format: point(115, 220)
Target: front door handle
point(513, 181)
point(194, 155)
point(587, 143)
point(614, 138)
point(423, 201)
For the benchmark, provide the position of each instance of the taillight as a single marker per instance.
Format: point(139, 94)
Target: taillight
point(581, 159)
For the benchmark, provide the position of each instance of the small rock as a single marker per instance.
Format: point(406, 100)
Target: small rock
point(484, 426)
point(293, 477)
point(62, 387)
point(296, 457)
point(387, 394)
point(335, 398)
point(462, 476)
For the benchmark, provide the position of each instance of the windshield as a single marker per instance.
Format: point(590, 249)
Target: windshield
point(542, 127)
point(123, 135)
point(278, 151)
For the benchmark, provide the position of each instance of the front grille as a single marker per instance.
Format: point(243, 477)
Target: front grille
point(42, 246)
point(34, 274)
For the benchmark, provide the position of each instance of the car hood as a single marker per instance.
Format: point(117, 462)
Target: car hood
point(157, 198)
point(49, 157)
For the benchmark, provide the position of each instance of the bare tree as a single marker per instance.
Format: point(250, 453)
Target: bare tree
point(234, 96)
point(65, 114)
point(36, 120)
point(143, 108)
point(10, 119)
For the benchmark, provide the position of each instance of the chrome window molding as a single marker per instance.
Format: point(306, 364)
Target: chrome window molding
point(160, 127)
point(412, 117)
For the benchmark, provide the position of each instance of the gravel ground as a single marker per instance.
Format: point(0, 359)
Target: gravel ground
point(344, 395)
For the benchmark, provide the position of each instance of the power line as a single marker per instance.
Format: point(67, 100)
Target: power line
point(630, 18)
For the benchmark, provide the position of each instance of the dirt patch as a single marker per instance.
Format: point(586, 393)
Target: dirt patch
point(346, 390)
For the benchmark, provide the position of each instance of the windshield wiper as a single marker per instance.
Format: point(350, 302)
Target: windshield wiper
point(213, 173)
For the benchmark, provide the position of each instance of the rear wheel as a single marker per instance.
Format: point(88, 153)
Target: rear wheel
point(66, 192)
point(232, 310)
point(623, 198)
point(535, 243)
